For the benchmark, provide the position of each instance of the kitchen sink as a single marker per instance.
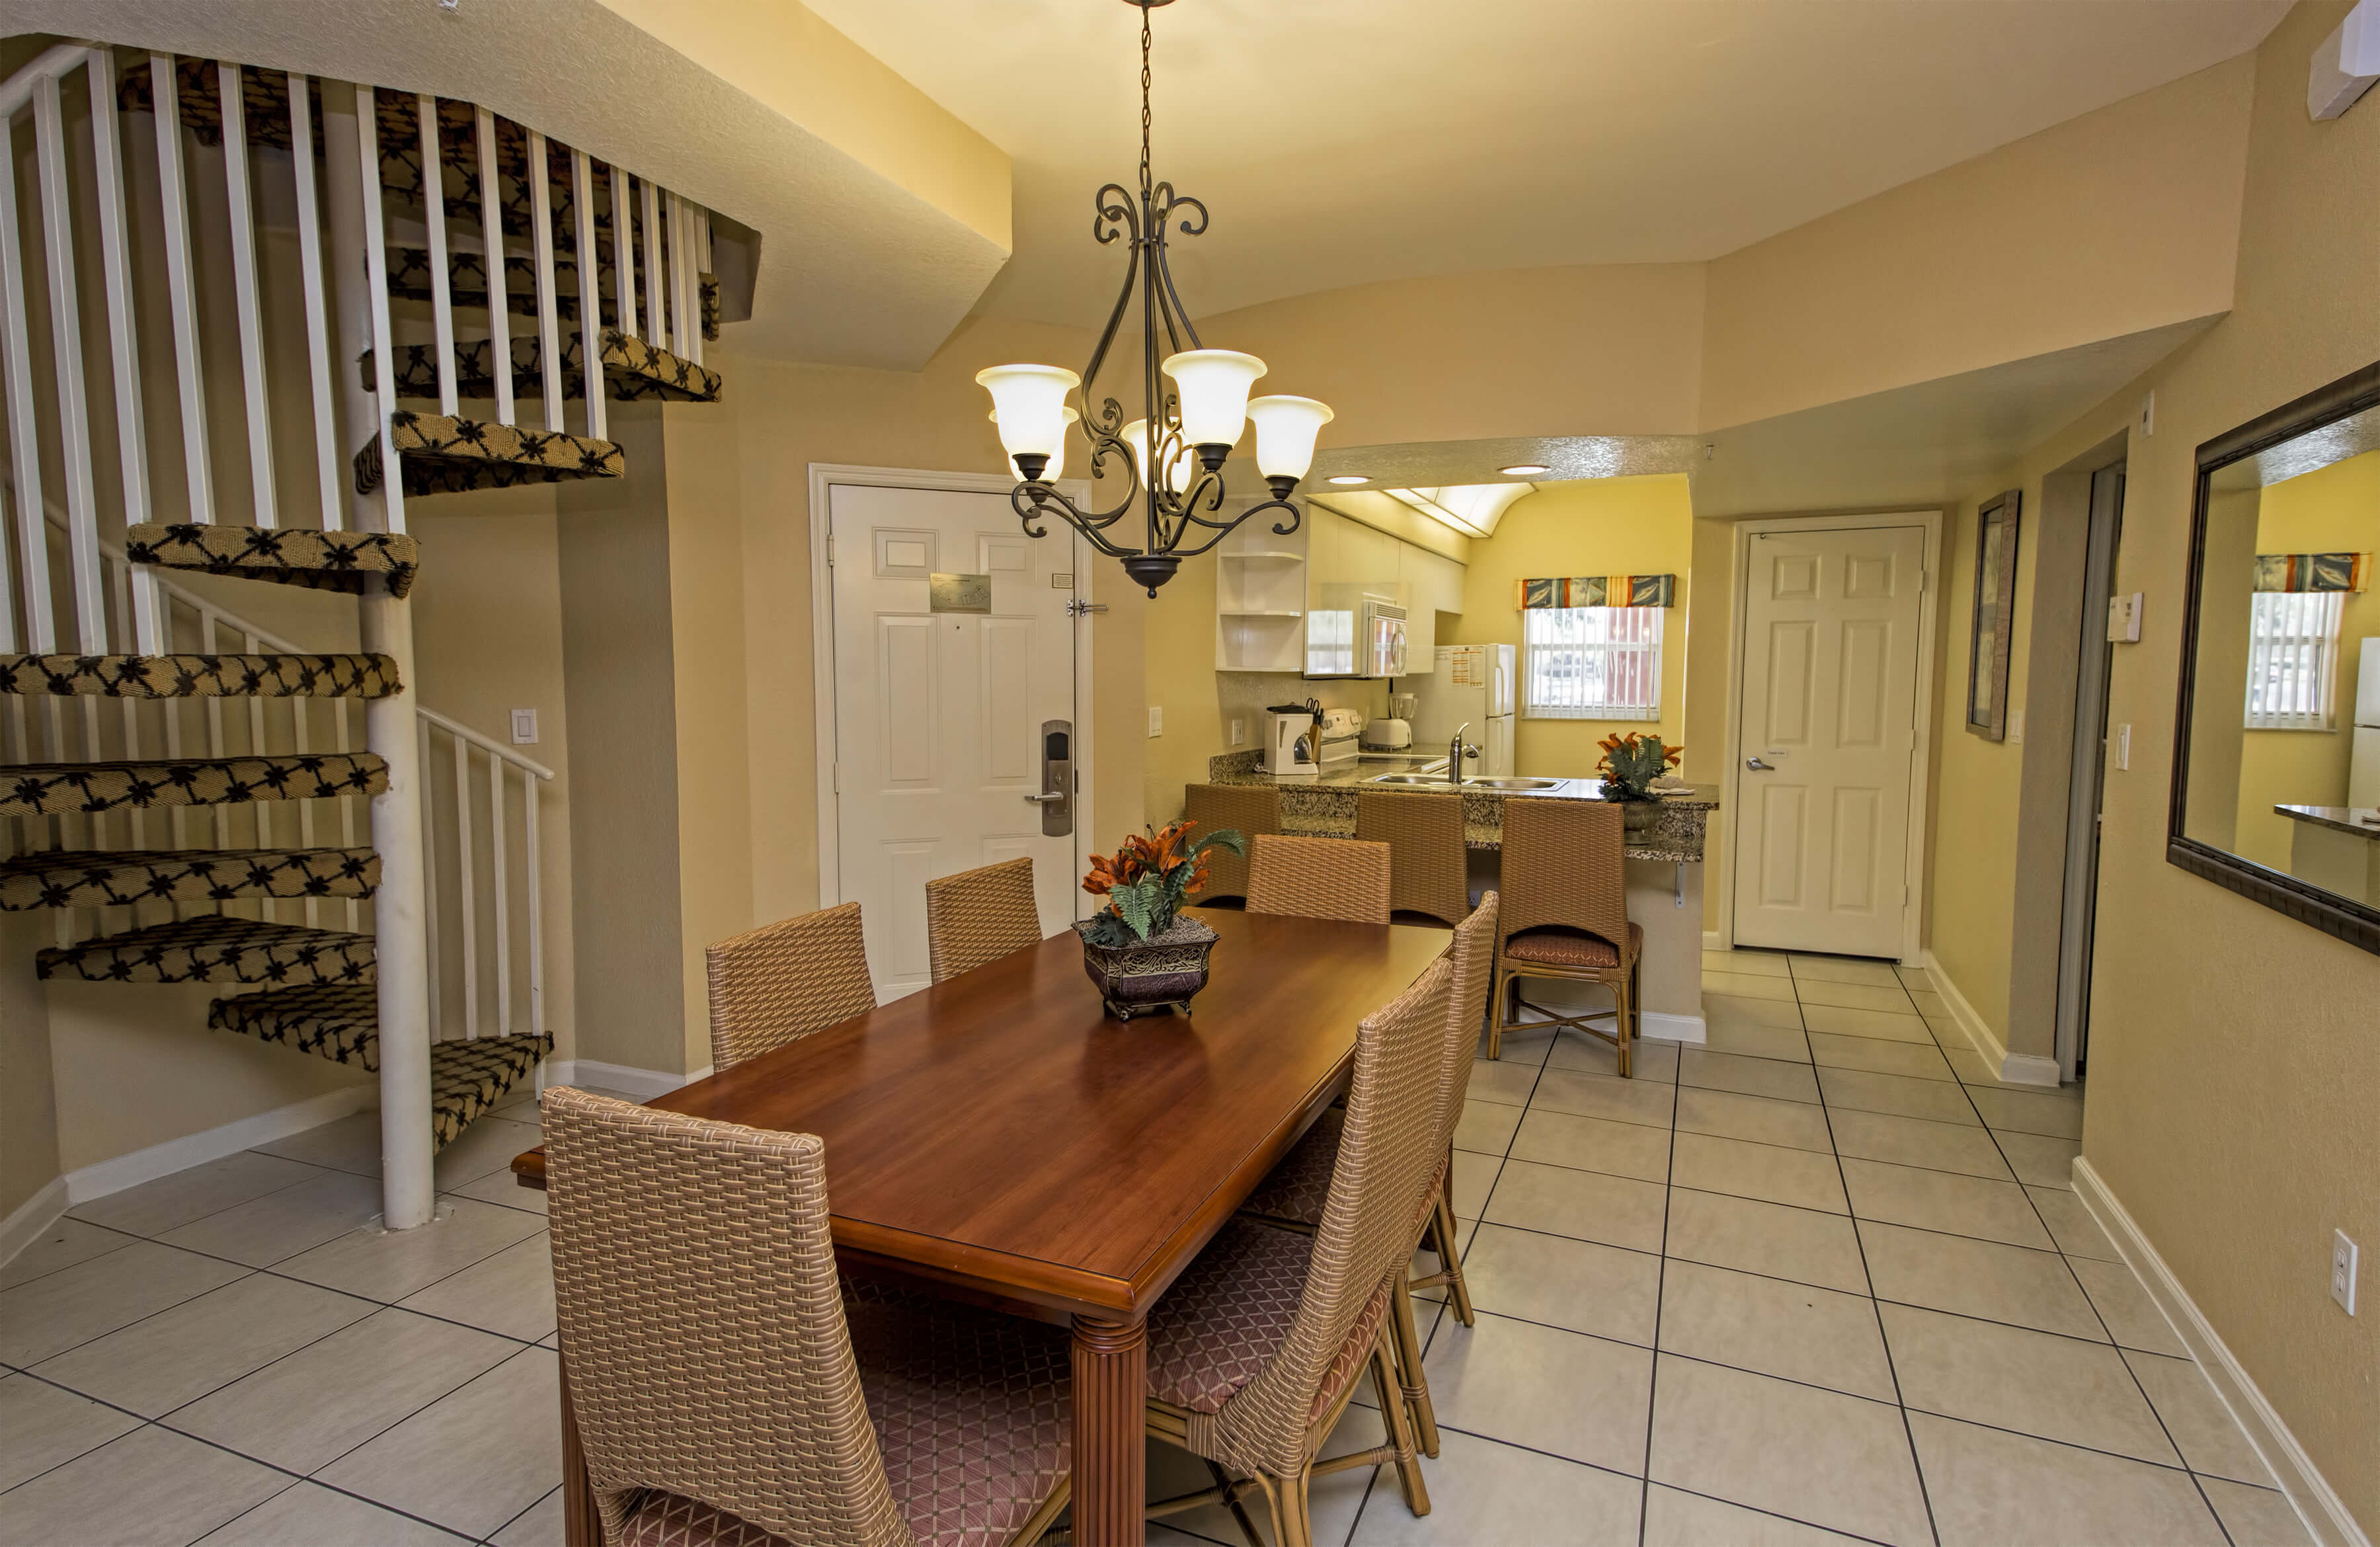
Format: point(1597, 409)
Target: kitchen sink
point(1511, 784)
point(1431, 781)
point(1439, 781)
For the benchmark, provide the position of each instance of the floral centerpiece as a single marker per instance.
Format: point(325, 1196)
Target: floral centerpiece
point(1630, 765)
point(1138, 950)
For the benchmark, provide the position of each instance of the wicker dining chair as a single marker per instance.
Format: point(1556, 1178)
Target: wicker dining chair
point(1247, 810)
point(784, 980)
point(1293, 1195)
point(1318, 878)
point(724, 1387)
point(1426, 858)
point(1258, 1346)
point(980, 914)
point(1565, 917)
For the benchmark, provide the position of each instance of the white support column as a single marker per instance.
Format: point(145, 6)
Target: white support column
point(408, 1188)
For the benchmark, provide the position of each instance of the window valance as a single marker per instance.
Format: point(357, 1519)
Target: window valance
point(1601, 590)
point(2301, 571)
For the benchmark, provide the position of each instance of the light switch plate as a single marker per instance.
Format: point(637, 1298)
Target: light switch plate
point(2016, 725)
point(2124, 619)
point(1239, 731)
point(2343, 1254)
point(2123, 740)
point(524, 728)
point(1157, 719)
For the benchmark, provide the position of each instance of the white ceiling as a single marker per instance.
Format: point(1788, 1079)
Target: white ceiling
point(1340, 141)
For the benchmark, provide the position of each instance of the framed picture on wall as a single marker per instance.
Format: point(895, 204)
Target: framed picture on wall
point(1987, 653)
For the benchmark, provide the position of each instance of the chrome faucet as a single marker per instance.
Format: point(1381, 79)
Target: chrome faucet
point(1456, 752)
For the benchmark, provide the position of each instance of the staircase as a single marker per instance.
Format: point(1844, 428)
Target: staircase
point(417, 220)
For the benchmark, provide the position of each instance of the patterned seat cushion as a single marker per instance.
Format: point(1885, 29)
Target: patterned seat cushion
point(1557, 946)
point(1225, 1318)
point(973, 1414)
point(1297, 1188)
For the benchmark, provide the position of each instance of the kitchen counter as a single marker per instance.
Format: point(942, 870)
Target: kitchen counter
point(1325, 804)
point(2336, 848)
point(2361, 821)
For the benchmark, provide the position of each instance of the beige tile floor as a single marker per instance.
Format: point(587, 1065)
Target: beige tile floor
point(1821, 1280)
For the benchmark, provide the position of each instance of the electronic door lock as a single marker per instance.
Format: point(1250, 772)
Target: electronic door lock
point(1057, 797)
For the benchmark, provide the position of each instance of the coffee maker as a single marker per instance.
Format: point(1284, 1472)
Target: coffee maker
point(1289, 748)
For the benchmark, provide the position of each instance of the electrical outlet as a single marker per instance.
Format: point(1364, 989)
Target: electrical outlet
point(2123, 742)
point(1239, 731)
point(1157, 719)
point(524, 728)
point(2124, 619)
point(2342, 1271)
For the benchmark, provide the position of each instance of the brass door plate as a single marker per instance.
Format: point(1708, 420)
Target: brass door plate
point(960, 594)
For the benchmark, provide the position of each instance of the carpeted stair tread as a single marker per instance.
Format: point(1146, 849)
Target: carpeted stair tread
point(55, 788)
point(201, 677)
point(443, 454)
point(468, 1079)
point(635, 371)
point(466, 279)
point(216, 948)
point(95, 878)
point(285, 556)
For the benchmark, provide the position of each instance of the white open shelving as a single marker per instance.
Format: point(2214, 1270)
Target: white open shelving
point(1260, 602)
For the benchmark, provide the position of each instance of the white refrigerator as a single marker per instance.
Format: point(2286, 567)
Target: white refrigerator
point(1472, 685)
point(2363, 766)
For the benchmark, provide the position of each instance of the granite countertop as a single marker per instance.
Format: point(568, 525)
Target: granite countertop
point(1324, 806)
point(2361, 821)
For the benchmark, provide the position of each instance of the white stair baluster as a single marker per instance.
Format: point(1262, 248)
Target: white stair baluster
point(442, 298)
point(501, 893)
point(244, 290)
point(181, 287)
point(24, 457)
point(491, 237)
point(549, 331)
point(65, 357)
point(124, 345)
point(590, 294)
point(623, 254)
point(318, 346)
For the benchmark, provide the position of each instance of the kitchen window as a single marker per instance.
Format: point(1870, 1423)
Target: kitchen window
point(1592, 663)
point(2292, 659)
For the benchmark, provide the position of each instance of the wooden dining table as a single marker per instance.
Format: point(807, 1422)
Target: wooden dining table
point(1000, 1139)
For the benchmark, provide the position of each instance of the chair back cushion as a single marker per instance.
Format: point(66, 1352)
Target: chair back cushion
point(702, 1323)
point(1320, 878)
point(1427, 862)
point(784, 980)
point(980, 914)
point(1564, 863)
point(1247, 809)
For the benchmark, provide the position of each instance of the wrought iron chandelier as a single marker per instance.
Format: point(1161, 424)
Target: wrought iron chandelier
point(1172, 457)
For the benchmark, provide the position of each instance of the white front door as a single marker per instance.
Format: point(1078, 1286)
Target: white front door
point(1828, 733)
point(954, 707)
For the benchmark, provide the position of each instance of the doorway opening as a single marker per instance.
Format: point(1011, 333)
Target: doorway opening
point(2087, 783)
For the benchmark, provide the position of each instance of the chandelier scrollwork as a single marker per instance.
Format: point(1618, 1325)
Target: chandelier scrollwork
point(1172, 457)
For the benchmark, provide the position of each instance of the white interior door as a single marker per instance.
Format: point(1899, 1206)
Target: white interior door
point(1828, 732)
point(940, 712)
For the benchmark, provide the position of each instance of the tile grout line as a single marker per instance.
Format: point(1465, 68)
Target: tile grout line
point(1891, 1366)
point(1660, 1291)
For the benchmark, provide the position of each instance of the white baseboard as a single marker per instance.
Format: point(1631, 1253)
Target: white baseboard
point(27, 1220)
point(643, 1084)
point(2017, 1068)
point(2317, 1503)
point(197, 1149)
point(1714, 940)
point(1660, 1025)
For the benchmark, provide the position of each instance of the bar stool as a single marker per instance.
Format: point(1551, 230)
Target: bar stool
point(1427, 856)
point(1251, 808)
point(1565, 916)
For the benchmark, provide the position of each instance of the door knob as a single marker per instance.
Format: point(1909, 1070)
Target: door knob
point(1042, 799)
point(1757, 766)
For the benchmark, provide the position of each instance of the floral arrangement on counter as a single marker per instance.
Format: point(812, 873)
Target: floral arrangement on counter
point(1631, 763)
point(1146, 880)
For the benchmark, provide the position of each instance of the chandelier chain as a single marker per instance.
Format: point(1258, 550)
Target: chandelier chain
point(1145, 184)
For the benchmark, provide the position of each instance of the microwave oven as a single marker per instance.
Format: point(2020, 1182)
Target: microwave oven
point(1362, 638)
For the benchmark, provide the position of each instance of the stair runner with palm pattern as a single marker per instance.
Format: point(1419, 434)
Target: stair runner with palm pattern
point(319, 991)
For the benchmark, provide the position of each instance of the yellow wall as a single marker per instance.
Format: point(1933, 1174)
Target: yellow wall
point(1617, 526)
point(2231, 1059)
point(2334, 510)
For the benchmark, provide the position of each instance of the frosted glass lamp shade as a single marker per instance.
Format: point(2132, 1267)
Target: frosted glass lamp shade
point(1285, 431)
point(1178, 477)
point(1213, 384)
point(1029, 403)
point(1056, 469)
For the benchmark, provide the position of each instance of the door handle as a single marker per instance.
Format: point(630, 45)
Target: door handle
point(1042, 799)
point(1757, 766)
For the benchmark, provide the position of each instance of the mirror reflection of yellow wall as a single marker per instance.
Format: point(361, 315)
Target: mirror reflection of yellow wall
point(2335, 509)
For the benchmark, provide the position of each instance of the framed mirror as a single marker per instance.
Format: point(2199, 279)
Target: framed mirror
point(1987, 644)
point(2277, 761)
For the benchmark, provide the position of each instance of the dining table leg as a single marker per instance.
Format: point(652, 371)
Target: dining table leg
point(579, 1527)
point(1111, 1415)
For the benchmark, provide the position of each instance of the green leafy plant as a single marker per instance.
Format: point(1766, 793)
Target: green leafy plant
point(1631, 763)
point(1146, 880)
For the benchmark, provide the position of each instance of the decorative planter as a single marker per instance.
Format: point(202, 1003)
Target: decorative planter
point(1159, 973)
point(1637, 817)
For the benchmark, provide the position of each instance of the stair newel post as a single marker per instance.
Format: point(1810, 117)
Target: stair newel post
point(400, 925)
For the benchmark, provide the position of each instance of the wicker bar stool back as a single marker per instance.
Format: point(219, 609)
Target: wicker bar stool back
point(1565, 916)
point(784, 980)
point(1308, 1314)
point(1248, 809)
point(979, 916)
point(1427, 856)
point(1318, 878)
point(719, 1391)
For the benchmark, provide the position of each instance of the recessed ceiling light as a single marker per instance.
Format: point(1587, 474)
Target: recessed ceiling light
point(1352, 478)
point(1524, 469)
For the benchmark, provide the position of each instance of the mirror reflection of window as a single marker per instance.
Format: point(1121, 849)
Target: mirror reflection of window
point(2285, 746)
